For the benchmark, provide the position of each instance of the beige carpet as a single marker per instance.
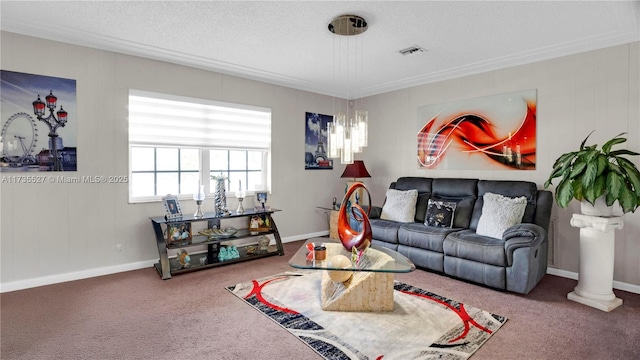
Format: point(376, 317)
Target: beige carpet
point(136, 315)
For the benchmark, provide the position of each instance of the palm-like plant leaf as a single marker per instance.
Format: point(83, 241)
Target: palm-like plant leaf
point(623, 152)
point(627, 200)
point(585, 140)
point(564, 193)
point(632, 174)
point(578, 190)
point(606, 148)
point(602, 163)
point(590, 173)
point(615, 183)
point(564, 160)
point(578, 168)
point(595, 191)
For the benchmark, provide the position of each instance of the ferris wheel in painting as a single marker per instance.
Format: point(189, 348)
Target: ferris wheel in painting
point(19, 137)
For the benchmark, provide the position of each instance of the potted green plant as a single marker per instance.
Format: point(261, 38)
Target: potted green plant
point(591, 173)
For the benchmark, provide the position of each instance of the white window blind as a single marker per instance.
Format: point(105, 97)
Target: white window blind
point(169, 120)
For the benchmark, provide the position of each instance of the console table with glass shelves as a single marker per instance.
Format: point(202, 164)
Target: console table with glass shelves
point(167, 266)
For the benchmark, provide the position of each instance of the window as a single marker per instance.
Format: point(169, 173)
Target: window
point(176, 143)
point(240, 167)
point(161, 171)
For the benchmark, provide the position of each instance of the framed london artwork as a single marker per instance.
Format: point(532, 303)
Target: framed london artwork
point(33, 105)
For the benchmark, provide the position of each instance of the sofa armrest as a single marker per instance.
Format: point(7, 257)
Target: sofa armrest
point(522, 235)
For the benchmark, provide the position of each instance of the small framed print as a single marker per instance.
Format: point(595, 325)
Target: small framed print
point(178, 233)
point(262, 198)
point(172, 207)
point(258, 223)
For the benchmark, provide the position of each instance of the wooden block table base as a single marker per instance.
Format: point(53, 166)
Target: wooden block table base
point(333, 224)
point(364, 291)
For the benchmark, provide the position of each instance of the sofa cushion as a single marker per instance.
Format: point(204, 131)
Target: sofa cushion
point(466, 244)
point(424, 237)
point(492, 276)
point(463, 192)
point(440, 213)
point(385, 230)
point(508, 188)
point(400, 205)
point(421, 206)
point(422, 258)
point(423, 185)
point(500, 213)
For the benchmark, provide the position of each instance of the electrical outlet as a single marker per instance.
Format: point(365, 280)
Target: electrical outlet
point(119, 247)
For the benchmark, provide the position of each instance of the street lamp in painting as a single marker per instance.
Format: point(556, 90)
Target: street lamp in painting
point(53, 123)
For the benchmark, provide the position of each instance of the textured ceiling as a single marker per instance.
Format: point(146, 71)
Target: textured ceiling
point(287, 43)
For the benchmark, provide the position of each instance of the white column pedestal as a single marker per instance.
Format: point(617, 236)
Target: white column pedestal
point(597, 253)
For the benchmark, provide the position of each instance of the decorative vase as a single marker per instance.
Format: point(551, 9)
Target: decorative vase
point(220, 198)
point(599, 208)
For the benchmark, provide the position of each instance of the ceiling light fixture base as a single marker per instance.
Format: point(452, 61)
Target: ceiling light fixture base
point(348, 25)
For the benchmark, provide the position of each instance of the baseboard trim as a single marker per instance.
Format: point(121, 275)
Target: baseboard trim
point(78, 275)
point(305, 236)
point(619, 285)
point(108, 270)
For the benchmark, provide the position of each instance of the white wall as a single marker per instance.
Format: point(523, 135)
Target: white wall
point(51, 232)
point(597, 90)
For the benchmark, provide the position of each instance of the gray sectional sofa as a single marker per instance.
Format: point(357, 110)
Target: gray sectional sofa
point(515, 262)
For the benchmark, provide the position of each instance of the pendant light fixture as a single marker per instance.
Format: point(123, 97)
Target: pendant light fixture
point(348, 133)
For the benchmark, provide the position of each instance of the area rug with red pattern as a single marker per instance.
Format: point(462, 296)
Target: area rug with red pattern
point(423, 325)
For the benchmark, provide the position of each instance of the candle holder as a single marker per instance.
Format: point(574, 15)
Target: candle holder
point(199, 197)
point(240, 195)
point(198, 214)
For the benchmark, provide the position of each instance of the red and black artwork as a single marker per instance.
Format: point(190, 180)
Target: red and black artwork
point(488, 133)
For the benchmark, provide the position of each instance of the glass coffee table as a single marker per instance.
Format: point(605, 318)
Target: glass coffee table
point(369, 284)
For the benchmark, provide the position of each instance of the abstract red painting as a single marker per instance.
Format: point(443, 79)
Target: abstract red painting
point(496, 132)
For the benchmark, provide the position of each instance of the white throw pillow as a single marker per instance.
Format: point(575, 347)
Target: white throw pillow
point(500, 213)
point(400, 205)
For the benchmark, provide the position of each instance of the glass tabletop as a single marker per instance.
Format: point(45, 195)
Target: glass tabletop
point(374, 259)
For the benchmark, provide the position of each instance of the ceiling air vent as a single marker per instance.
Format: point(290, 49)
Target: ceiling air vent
point(412, 50)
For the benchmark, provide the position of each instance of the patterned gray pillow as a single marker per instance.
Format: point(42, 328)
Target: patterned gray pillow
point(440, 213)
